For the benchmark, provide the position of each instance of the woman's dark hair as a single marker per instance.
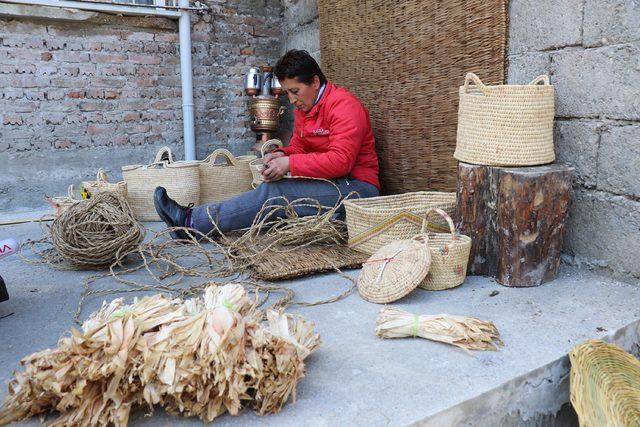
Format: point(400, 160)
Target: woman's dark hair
point(298, 63)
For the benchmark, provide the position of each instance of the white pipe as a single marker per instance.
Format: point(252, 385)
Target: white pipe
point(186, 76)
point(186, 70)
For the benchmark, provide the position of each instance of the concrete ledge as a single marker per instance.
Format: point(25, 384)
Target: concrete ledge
point(356, 378)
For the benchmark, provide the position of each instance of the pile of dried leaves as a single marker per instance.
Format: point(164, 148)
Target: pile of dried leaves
point(197, 357)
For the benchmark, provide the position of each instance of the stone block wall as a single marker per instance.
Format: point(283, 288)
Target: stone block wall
point(590, 50)
point(83, 90)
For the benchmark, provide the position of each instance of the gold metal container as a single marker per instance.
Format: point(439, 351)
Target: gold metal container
point(266, 112)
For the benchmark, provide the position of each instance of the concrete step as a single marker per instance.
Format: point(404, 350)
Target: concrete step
point(355, 378)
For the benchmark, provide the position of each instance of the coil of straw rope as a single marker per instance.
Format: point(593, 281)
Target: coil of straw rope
point(92, 233)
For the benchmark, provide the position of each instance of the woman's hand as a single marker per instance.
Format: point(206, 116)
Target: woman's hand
point(273, 155)
point(276, 169)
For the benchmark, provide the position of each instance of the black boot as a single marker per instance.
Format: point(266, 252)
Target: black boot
point(173, 214)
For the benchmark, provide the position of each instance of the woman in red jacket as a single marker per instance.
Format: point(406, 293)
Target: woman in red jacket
point(332, 139)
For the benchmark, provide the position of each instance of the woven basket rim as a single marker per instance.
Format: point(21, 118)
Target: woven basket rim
point(374, 202)
point(180, 164)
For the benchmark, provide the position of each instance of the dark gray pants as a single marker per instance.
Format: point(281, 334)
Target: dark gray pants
point(239, 211)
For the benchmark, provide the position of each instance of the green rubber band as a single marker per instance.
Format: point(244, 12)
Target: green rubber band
point(414, 329)
point(120, 313)
point(228, 304)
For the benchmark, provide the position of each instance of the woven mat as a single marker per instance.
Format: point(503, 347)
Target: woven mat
point(312, 259)
point(405, 60)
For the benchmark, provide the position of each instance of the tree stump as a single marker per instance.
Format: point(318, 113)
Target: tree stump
point(516, 219)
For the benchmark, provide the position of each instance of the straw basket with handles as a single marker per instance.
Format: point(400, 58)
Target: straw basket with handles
point(505, 125)
point(180, 179)
point(449, 256)
point(222, 181)
point(373, 222)
point(257, 166)
point(62, 203)
point(102, 184)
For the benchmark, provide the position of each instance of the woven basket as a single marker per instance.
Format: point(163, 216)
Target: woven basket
point(181, 179)
point(605, 385)
point(222, 181)
point(449, 256)
point(395, 270)
point(505, 125)
point(102, 184)
point(257, 165)
point(62, 203)
point(375, 221)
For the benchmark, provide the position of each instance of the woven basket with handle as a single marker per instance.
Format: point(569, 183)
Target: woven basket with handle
point(102, 184)
point(181, 180)
point(449, 256)
point(257, 165)
point(505, 125)
point(222, 181)
point(62, 203)
point(376, 221)
point(605, 385)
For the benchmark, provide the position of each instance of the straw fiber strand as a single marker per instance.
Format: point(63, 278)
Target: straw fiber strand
point(605, 385)
point(404, 60)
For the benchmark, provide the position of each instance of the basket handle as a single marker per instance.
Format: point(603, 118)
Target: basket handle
point(163, 154)
point(444, 215)
point(211, 158)
point(541, 79)
point(422, 238)
point(163, 163)
point(70, 192)
point(101, 176)
point(471, 77)
point(269, 143)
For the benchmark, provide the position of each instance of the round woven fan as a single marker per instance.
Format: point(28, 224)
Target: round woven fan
point(394, 270)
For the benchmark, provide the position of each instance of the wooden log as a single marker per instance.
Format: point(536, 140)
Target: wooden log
point(516, 219)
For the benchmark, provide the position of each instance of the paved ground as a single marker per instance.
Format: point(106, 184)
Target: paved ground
point(358, 379)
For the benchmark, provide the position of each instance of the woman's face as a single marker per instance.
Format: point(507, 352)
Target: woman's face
point(300, 94)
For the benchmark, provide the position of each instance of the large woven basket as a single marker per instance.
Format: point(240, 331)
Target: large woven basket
point(222, 181)
point(505, 125)
point(102, 185)
point(449, 256)
point(181, 180)
point(605, 385)
point(376, 221)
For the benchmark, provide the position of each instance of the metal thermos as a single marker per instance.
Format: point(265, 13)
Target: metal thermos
point(266, 83)
point(253, 81)
point(276, 88)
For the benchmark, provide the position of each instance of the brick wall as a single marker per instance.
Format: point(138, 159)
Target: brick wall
point(88, 90)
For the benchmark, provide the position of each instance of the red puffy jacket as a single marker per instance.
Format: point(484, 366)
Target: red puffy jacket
point(334, 139)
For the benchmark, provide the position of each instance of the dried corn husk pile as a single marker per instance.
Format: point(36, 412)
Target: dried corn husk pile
point(467, 333)
point(198, 357)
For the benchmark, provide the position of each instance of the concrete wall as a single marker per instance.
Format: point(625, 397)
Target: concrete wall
point(81, 90)
point(590, 49)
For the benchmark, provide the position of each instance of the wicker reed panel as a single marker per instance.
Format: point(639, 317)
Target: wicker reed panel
point(405, 60)
point(311, 259)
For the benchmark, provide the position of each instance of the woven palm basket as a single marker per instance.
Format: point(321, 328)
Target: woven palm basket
point(505, 125)
point(449, 257)
point(394, 270)
point(257, 165)
point(376, 221)
point(221, 181)
point(605, 385)
point(102, 184)
point(181, 180)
